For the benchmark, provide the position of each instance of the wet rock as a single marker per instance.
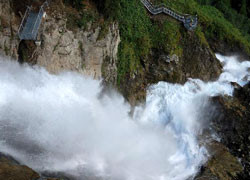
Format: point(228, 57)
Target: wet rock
point(62, 48)
point(49, 175)
point(197, 61)
point(232, 124)
point(10, 169)
point(222, 165)
point(78, 50)
point(8, 29)
point(235, 85)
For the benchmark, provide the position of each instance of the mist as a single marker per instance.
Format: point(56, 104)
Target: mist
point(65, 123)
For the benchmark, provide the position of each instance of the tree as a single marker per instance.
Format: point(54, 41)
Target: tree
point(243, 9)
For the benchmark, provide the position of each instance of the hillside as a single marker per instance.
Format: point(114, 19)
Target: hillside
point(128, 49)
point(152, 48)
point(223, 28)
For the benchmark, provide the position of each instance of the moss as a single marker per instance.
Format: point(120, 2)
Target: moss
point(71, 23)
point(80, 46)
point(223, 164)
point(75, 3)
point(135, 34)
point(11, 170)
point(172, 38)
point(85, 18)
point(201, 36)
point(213, 22)
point(104, 66)
point(176, 76)
point(6, 49)
point(103, 31)
point(142, 33)
point(127, 60)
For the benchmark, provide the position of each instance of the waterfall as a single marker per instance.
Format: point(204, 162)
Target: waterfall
point(65, 123)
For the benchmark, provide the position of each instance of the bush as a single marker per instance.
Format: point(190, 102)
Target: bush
point(75, 3)
point(140, 34)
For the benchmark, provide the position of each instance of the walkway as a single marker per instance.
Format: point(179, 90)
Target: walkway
point(31, 22)
point(190, 22)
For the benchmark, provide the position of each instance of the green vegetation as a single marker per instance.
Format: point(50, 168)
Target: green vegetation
point(140, 34)
point(104, 30)
point(135, 37)
point(85, 17)
point(201, 36)
point(81, 19)
point(217, 19)
point(234, 13)
point(75, 3)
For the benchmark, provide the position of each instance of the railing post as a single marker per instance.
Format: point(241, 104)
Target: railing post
point(34, 25)
point(161, 9)
point(38, 18)
point(24, 17)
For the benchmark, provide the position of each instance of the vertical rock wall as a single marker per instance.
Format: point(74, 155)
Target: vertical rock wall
point(8, 30)
point(61, 48)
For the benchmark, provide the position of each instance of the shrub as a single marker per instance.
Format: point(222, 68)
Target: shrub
point(75, 3)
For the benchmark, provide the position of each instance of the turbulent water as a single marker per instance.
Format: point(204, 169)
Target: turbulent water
point(65, 123)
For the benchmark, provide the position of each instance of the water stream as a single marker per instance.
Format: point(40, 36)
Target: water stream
point(64, 123)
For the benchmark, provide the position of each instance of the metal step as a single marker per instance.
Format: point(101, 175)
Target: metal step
point(31, 22)
point(31, 26)
point(190, 22)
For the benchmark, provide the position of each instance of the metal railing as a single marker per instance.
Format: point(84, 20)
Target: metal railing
point(23, 20)
point(38, 20)
point(32, 35)
point(189, 21)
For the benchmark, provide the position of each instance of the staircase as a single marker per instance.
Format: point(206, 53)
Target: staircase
point(190, 22)
point(31, 22)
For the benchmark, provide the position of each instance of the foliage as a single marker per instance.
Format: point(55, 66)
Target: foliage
point(85, 17)
point(135, 36)
point(172, 36)
point(104, 30)
point(201, 35)
point(218, 20)
point(238, 17)
point(75, 3)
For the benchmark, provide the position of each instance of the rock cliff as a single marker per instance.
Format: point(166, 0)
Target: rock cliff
point(62, 47)
point(9, 23)
point(230, 158)
point(93, 50)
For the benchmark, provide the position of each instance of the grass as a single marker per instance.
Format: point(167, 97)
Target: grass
point(85, 18)
point(104, 30)
point(140, 34)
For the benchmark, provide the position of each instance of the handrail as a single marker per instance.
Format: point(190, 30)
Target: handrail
point(39, 14)
point(162, 5)
point(160, 8)
point(190, 22)
point(34, 25)
point(24, 17)
point(38, 17)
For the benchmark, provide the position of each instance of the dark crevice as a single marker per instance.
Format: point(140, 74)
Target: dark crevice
point(27, 52)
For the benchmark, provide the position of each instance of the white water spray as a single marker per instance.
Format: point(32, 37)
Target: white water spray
point(63, 123)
